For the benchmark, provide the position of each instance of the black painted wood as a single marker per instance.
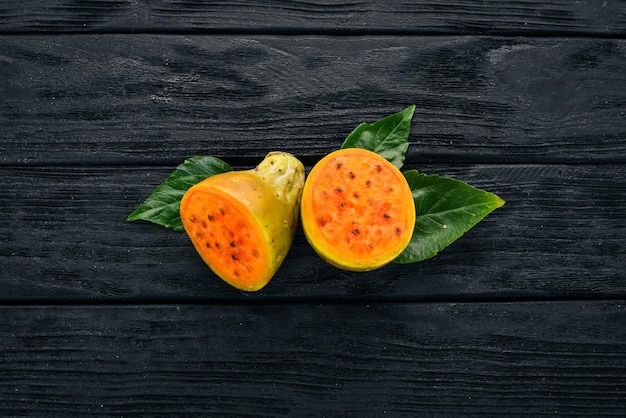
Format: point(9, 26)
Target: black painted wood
point(523, 316)
point(559, 235)
point(138, 99)
point(530, 359)
point(525, 17)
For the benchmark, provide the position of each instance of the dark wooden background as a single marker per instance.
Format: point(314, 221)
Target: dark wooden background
point(101, 99)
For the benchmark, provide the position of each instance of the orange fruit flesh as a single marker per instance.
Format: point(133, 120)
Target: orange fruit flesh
point(359, 210)
point(227, 237)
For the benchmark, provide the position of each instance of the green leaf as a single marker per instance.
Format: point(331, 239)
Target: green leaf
point(388, 137)
point(163, 205)
point(445, 209)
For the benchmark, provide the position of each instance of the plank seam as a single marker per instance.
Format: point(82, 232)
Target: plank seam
point(339, 32)
point(151, 302)
point(307, 161)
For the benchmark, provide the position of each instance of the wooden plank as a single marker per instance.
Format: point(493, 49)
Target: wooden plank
point(427, 16)
point(123, 100)
point(64, 236)
point(530, 359)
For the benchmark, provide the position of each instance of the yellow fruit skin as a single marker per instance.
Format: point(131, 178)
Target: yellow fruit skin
point(269, 196)
point(340, 257)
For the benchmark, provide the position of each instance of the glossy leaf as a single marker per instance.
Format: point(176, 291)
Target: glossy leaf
point(387, 137)
point(163, 205)
point(445, 209)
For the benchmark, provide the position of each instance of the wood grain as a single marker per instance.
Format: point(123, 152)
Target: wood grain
point(126, 100)
point(528, 359)
point(522, 316)
point(64, 236)
point(522, 17)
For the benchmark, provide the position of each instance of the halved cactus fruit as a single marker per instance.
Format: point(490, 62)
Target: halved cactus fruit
point(242, 223)
point(357, 210)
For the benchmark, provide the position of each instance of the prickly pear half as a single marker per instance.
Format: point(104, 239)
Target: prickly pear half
point(242, 223)
point(357, 210)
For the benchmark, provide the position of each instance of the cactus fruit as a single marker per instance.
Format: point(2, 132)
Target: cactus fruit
point(242, 223)
point(357, 210)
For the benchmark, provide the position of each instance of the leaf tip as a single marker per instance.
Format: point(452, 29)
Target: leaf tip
point(132, 216)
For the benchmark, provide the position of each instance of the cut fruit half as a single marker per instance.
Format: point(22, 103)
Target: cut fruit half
point(242, 223)
point(227, 237)
point(357, 210)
